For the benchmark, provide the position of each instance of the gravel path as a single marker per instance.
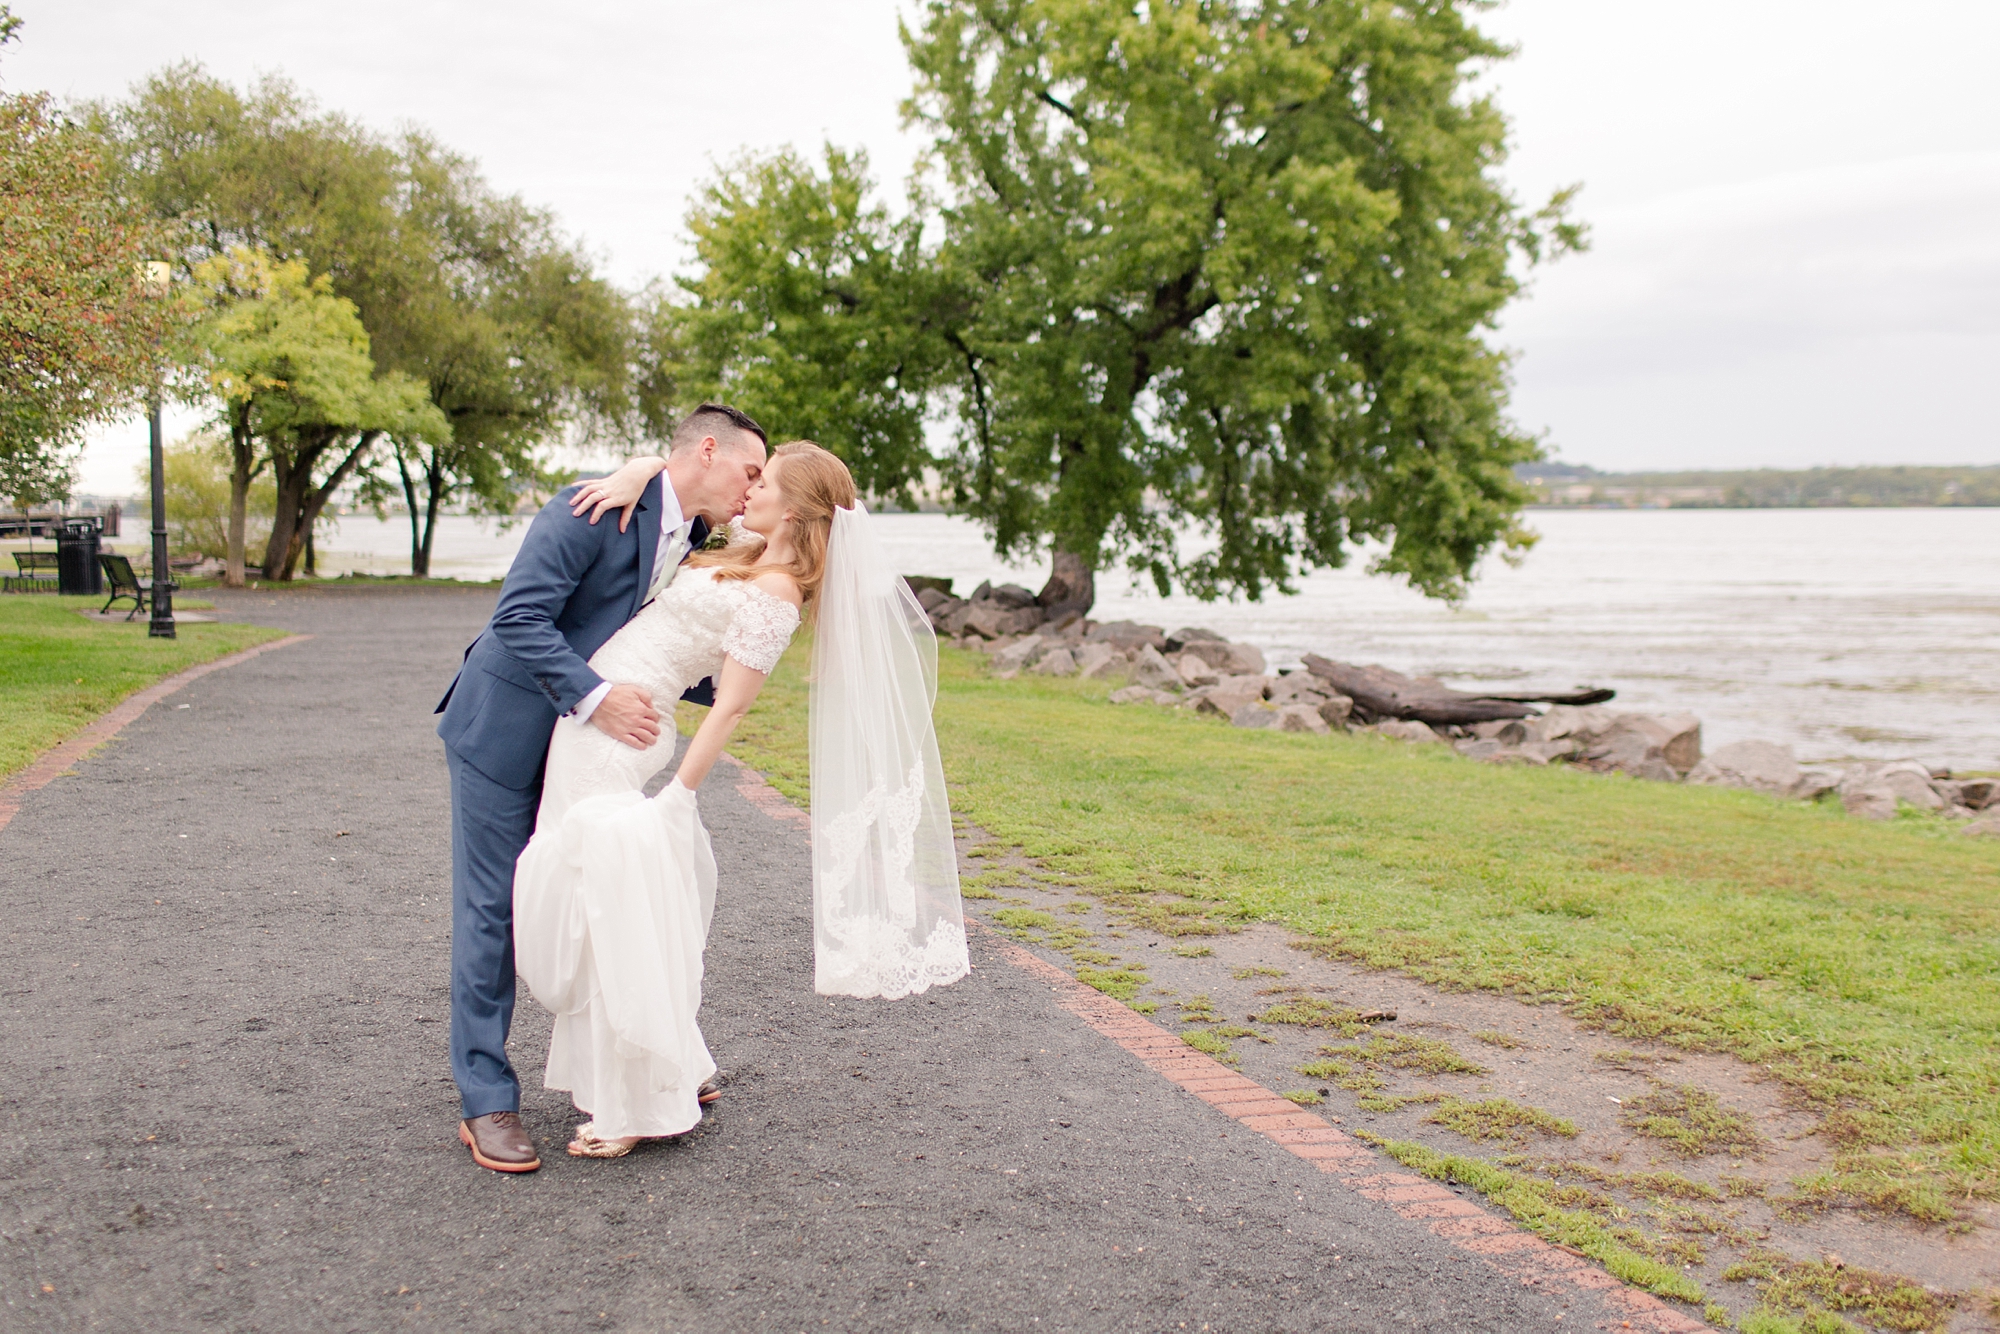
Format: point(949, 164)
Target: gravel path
point(226, 1103)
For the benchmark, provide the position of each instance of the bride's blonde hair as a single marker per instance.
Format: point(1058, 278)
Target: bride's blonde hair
point(813, 483)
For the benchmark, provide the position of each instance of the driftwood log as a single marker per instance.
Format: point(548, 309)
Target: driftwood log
point(1381, 693)
point(1581, 696)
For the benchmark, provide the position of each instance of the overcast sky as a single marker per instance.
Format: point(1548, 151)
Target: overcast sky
point(1795, 208)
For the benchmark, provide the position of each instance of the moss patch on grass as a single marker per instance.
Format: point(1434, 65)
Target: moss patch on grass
point(1004, 877)
point(59, 672)
point(1805, 1291)
point(1495, 1038)
point(1035, 927)
point(1199, 1009)
point(1343, 1074)
point(1166, 915)
point(1117, 983)
point(1819, 1322)
point(1691, 1121)
point(1428, 1056)
point(1311, 1012)
point(1552, 1211)
point(1202, 1040)
point(1355, 1067)
point(1025, 919)
point(1394, 1102)
point(1653, 1185)
point(1498, 1119)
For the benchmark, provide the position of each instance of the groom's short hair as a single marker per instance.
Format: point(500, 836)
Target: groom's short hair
point(716, 419)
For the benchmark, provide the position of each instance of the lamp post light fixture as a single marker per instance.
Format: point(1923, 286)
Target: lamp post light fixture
point(156, 280)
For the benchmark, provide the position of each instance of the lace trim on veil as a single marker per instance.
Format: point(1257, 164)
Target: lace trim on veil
point(883, 962)
point(846, 837)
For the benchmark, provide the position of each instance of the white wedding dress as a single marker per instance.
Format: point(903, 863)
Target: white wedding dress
point(614, 893)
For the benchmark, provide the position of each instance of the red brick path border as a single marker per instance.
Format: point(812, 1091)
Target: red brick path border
point(753, 789)
point(1516, 1253)
point(57, 761)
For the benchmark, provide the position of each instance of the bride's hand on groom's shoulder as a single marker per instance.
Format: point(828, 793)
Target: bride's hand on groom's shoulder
point(618, 491)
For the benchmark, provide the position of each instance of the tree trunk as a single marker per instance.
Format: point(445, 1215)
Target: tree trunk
point(1072, 585)
point(300, 502)
point(435, 499)
point(241, 447)
point(419, 556)
point(317, 498)
point(291, 471)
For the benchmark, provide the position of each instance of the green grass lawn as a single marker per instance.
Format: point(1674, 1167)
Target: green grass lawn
point(59, 671)
point(1857, 961)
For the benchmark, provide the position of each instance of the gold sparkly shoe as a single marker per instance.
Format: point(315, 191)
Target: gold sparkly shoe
point(588, 1145)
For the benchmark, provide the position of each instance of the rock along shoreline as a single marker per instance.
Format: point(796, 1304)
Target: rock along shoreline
point(1199, 670)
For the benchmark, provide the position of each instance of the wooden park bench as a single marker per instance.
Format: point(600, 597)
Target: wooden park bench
point(35, 573)
point(124, 583)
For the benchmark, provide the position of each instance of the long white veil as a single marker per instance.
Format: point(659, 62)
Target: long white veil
point(886, 914)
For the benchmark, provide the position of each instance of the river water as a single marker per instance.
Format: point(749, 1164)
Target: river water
point(1845, 633)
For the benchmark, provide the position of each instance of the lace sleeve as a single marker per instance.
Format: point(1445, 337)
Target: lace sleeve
point(760, 630)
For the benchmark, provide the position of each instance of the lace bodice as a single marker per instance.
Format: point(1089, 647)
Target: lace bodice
point(676, 639)
point(683, 635)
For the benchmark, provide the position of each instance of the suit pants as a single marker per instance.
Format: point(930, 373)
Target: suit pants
point(490, 824)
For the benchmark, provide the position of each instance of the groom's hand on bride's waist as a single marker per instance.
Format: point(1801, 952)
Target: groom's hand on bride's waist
point(626, 714)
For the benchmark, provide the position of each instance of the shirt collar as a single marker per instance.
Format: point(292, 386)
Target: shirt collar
point(671, 520)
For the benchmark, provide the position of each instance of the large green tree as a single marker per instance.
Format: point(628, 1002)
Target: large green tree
point(263, 168)
point(288, 362)
point(516, 339)
point(78, 335)
point(1231, 266)
point(813, 310)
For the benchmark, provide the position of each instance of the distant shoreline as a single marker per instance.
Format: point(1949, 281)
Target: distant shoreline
point(1566, 486)
point(1651, 503)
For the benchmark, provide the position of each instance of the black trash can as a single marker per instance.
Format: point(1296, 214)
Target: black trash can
point(77, 570)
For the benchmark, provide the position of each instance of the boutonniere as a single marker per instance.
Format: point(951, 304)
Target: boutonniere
point(718, 537)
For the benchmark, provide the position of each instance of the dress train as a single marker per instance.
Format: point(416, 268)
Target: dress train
point(610, 919)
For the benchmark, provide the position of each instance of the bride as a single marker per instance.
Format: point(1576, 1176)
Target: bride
point(614, 893)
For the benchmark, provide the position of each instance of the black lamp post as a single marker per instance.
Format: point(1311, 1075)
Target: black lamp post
point(156, 279)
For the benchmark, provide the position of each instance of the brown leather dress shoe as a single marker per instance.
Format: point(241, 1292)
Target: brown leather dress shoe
point(499, 1141)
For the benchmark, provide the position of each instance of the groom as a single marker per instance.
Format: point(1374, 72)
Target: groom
point(572, 585)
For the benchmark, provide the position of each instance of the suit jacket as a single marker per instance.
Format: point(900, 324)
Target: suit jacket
point(570, 588)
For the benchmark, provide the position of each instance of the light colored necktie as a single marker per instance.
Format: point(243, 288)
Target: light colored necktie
point(667, 568)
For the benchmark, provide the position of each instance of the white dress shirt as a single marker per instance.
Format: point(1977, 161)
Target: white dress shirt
point(666, 558)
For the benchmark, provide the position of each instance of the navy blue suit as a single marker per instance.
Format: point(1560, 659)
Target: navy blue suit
point(570, 588)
